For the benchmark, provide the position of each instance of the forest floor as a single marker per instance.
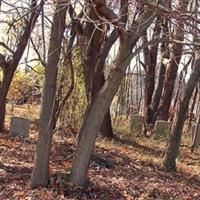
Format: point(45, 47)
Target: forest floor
point(121, 168)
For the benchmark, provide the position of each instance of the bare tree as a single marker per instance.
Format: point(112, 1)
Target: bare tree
point(172, 149)
point(96, 110)
point(196, 131)
point(95, 45)
point(150, 61)
point(165, 54)
point(40, 173)
point(171, 72)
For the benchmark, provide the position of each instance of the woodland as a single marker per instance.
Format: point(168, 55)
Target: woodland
point(99, 99)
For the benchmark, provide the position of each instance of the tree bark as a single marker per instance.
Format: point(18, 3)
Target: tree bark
point(196, 131)
point(191, 114)
point(97, 109)
point(150, 58)
point(7, 78)
point(157, 95)
point(155, 100)
point(106, 127)
point(176, 133)
point(40, 173)
point(171, 72)
point(95, 52)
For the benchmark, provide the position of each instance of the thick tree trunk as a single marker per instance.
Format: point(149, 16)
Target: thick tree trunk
point(175, 136)
point(40, 173)
point(97, 110)
point(91, 40)
point(92, 123)
point(94, 63)
point(106, 128)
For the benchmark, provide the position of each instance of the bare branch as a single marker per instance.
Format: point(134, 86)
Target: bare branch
point(6, 47)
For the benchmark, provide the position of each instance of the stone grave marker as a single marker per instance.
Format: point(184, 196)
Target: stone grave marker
point(19, 127)
point(161, 129)
point(136, 124)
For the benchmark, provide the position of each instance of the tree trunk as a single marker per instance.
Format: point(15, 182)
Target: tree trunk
point(196, 132)
point(40, 173)
point(155, 100)
point(94, 63)
point(163, 110)
point(171, 72)
point(150, 57)
point(92, 123)
point(7, 78)
point(97, 109)
point(106, 128)
point(191, 114)
point(157, 95)
point(175, 136)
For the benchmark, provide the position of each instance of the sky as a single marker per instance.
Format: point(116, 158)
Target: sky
point(9, 6)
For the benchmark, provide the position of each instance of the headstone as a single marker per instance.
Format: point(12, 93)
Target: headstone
point(19, 127)
point(161, 129)
point(197, 142)
point(136, 124)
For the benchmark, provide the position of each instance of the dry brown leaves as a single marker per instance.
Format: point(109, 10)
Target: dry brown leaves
point(118, 172)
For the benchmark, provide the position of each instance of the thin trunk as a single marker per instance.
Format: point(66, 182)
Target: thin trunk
point(40, 173)
point(176, 133)
point(177, 95)
point(67, 62)
point(191, 114)
point(196, 131)
point(128, 97)
point(157, 94)
point(152, 109)
point(150, 56)
point(106, 127)
point(171, 73)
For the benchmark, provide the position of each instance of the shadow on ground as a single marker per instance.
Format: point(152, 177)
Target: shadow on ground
point(115, 173)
